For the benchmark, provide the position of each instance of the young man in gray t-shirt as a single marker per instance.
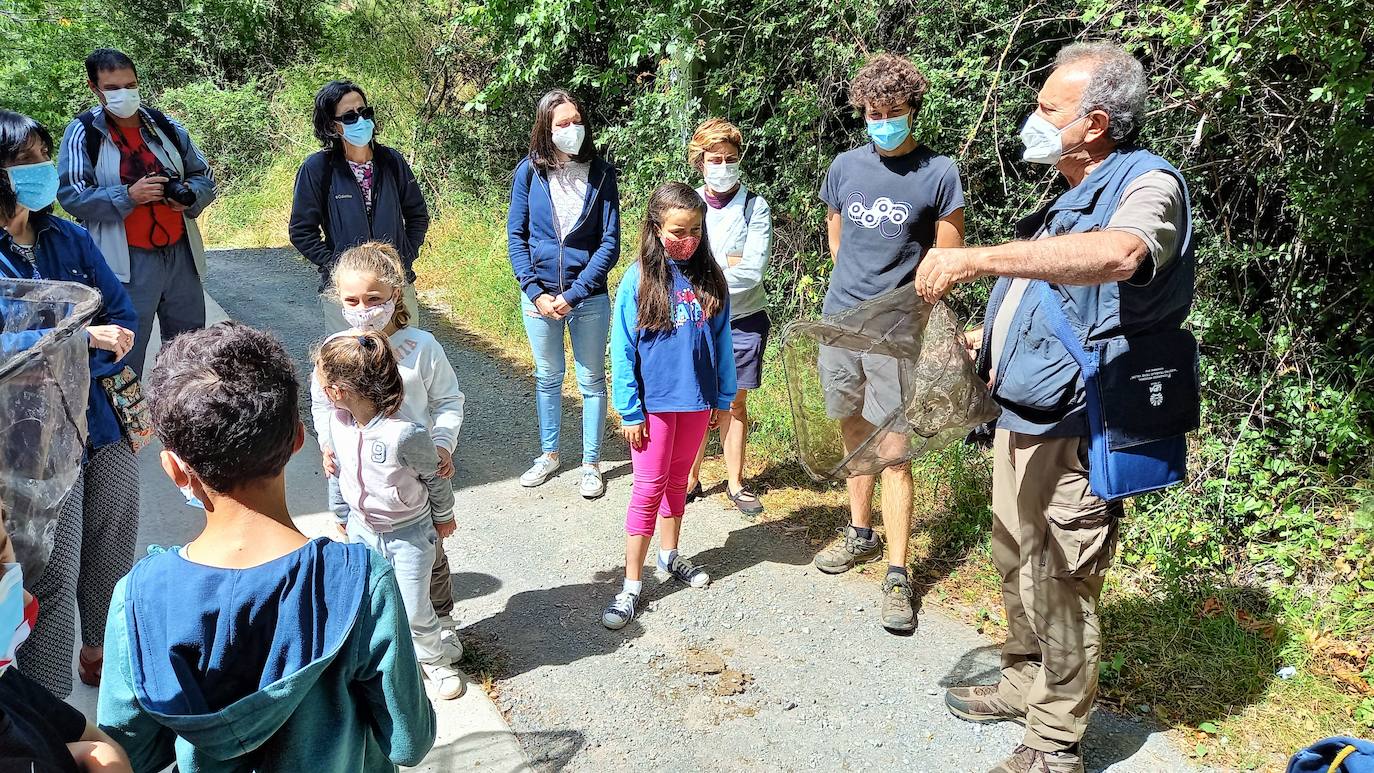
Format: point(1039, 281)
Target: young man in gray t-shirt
point(889, 202)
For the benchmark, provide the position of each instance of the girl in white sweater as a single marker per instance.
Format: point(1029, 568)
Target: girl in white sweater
point(368, 283)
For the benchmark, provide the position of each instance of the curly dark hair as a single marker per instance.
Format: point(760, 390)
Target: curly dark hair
point(888, 79)
point(224, 400)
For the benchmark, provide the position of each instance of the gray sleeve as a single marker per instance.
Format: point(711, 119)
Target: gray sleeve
point(1153, 209)
point(950, 197)
point(417, 452)
point(829, 193)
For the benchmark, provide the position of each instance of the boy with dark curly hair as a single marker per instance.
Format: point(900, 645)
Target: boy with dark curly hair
point(890, 200)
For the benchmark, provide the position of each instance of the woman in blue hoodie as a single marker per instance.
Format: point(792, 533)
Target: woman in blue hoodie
point(564, 238)
point(98, 526)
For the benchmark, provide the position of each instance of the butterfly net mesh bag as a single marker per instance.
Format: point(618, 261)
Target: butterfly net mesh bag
point(880, 384)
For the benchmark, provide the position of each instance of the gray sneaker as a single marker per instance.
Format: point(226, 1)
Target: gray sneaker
point(621, 610)
point(898, 613)
point(685, 571)
point(540, 472)
point(592, 484)
point(849, 553)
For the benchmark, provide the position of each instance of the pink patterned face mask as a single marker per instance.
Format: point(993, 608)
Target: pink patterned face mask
point(370, 317)
point(681, 249)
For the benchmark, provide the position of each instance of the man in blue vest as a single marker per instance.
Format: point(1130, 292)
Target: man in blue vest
point(1116, 249)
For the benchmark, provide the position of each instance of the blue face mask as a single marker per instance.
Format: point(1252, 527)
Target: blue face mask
point(359, 133)
point(34, 185)
point(890, 133)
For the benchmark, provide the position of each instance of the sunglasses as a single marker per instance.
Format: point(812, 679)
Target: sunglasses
point(353, 116)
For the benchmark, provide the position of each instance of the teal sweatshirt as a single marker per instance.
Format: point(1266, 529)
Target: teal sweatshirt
point(303, 663)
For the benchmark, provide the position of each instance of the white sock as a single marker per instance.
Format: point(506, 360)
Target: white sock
point(632, 586)
point(665, 557)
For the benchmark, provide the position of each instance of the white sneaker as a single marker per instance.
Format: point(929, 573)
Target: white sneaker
point(448, 681)
point(449, 622)
point(543, 467)
point(453, 649)
point(592, 485)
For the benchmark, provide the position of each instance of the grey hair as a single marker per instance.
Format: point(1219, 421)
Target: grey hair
point(1117, 86)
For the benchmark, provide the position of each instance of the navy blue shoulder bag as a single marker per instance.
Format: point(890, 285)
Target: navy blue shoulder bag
point(1143, 398)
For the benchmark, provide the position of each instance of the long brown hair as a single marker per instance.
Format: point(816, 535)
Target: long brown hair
point(380, 260)
point(365, 365)
point(656, 278)
point(543, 153)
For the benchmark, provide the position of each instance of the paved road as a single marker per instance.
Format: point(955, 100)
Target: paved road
point(823, 687)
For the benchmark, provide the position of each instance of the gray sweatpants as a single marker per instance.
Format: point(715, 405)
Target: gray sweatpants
point(163, 282)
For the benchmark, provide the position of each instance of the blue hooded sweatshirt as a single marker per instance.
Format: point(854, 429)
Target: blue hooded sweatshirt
point(303, 663)
point(688, 368)
point(575, 265)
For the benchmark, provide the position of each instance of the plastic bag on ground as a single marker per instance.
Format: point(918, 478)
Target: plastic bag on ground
point(880, 384)
point(45, 382)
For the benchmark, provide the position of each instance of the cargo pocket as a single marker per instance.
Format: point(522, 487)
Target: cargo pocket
point(1081, 532)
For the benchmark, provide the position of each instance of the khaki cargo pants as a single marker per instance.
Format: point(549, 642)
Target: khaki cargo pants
point(1052, 542)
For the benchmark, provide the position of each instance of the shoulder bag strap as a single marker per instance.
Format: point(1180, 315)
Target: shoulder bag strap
point(1053, 305)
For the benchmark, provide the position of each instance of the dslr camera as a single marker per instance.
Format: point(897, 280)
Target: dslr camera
point(176, 189)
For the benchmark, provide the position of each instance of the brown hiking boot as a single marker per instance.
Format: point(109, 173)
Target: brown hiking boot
point(1027, 760)
point(980, 703)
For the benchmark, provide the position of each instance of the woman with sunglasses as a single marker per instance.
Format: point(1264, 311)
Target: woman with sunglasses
point(355, 190)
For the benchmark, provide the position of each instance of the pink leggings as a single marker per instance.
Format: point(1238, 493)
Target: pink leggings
point(661, 468)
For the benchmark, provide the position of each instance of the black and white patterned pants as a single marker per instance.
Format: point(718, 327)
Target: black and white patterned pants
point(97, 533)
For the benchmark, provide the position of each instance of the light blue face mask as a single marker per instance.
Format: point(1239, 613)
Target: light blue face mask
point(34, 185)
point(359, 133)
point(890, 133)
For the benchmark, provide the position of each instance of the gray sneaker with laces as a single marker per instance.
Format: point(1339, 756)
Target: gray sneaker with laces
point(849, 553)
point(621, 610)
point(686, 571)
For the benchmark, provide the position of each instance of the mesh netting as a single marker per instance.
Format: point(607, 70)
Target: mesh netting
point(880, 384)
point(45, 380)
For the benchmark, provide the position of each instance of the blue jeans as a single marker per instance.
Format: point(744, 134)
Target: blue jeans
point(588, 325)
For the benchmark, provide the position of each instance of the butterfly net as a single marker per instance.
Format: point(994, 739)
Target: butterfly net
point(45, 381)
point(880, 384)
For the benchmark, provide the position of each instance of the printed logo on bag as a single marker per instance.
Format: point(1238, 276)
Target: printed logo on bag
point(885, 215)
point(1155, 378)
point(378, 452)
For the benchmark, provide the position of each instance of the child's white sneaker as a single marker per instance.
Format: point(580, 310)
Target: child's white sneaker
point(592, 484)
point(448, 681)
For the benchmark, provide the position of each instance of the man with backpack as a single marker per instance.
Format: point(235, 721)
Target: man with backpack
point(135, 179)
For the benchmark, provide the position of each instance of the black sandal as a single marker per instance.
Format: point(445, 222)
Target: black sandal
point(695, 494)
point(751, 507)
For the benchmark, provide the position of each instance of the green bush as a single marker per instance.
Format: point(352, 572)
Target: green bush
point(232, 127)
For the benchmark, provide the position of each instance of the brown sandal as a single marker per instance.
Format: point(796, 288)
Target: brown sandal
point(89, 670)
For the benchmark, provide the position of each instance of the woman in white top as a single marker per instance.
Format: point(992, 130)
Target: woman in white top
point(739, 226)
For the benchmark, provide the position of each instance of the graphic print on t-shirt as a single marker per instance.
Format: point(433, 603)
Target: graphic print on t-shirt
point(885, 215)
point(688, 309)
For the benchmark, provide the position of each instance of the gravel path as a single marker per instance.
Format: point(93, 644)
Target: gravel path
point(774, 667)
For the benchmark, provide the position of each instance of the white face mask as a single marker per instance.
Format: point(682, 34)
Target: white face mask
point(122, 103)
point(721, 177)
point(569, 138)
point(370, 317)
point(1043, 140)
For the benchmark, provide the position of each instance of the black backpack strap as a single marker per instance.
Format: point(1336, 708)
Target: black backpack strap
point(164, 125)
point(94, 139)
point(749, 198)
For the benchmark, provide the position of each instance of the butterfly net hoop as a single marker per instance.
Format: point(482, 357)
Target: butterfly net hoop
point(880, 384)
point(45, 382)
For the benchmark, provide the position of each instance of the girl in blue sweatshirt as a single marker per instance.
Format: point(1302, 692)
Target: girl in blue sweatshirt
point(672, 367)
